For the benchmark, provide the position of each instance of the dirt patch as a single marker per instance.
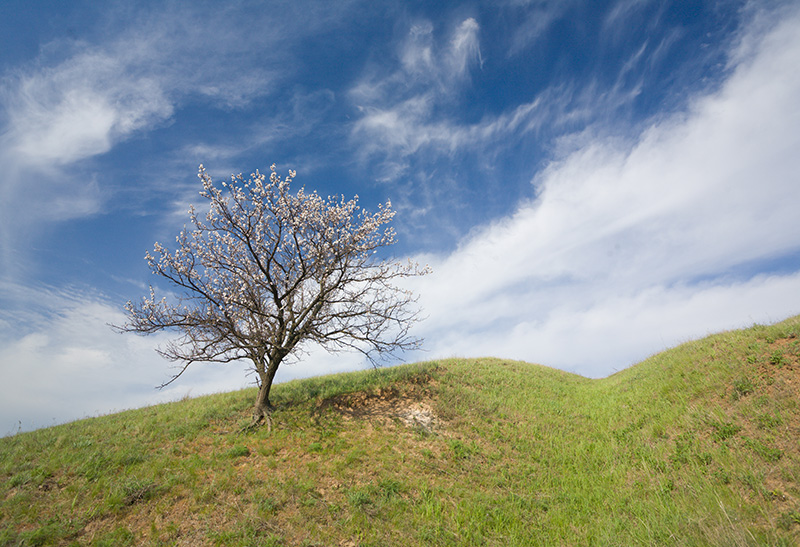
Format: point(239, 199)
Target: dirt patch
point(411, 407)
point(418, 415)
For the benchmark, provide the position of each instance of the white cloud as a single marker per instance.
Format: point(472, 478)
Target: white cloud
point(595, 333)
point(606, 261)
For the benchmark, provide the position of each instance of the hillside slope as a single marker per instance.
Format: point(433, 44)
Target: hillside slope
point(698, 445)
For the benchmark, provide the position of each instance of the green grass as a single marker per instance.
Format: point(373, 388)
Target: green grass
point(699, 445)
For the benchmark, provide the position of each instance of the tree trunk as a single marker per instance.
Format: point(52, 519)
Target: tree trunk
point(263, 407)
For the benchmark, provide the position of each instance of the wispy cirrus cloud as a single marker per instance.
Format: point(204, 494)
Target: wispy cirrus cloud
point(79, 108)
point(464, 49)
point(621, 14)
point(405, 111)
point(408, 110)
point(537, 17)
point(425, 62)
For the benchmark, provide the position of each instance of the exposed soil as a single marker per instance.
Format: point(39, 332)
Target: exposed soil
point(410, 406)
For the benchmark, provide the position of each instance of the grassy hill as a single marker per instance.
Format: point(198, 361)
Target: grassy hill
point(699, 445)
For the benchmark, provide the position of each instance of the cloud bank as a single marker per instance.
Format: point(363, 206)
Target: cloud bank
point(636, 244)
point(62, 362)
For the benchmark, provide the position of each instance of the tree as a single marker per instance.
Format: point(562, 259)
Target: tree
point(269, 272)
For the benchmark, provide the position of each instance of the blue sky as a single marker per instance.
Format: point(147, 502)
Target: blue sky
point(591, 182)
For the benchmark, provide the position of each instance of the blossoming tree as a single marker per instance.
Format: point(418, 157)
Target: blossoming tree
point(268, 272)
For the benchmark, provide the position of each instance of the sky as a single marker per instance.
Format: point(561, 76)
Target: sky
point(591, 182)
